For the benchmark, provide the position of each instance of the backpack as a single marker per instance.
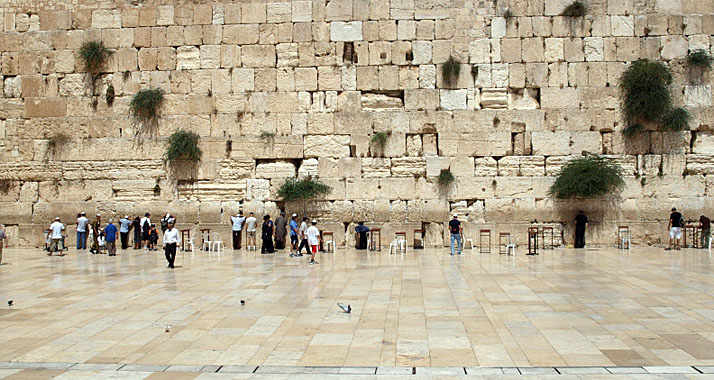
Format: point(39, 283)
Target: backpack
point(146, 226)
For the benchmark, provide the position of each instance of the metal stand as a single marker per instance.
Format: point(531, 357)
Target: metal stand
point(375, 239)
point(504, 238)
point(532, 241)
point(419, 240)
point(481, 235)
point(623, 237)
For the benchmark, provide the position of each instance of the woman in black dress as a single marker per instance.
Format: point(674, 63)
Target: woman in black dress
point(268, 233)
point(136, 225)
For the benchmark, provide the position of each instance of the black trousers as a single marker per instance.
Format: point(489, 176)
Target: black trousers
point(362, 242)
point(280, 244)
point(303, 243)
point(237, 237)
point(267, 245)
point(170, 252)
point(124, 236)
point(579, 237)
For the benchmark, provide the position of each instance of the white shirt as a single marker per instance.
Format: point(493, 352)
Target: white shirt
point(237, 222)
point(313, 235)
point(171, 236)
point(250, 223)
point(56, 228)
point(303, 228)
point(144, 219)
point(82, 222)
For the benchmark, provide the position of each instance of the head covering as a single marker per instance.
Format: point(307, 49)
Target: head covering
point(57, 218)
point(98, 214)
point(294, 215)
point(126, 216)
point(111, 220)
point(147, 214)
point(84, 213)
point(168, 215)
point(314, 221)
point(456, 215)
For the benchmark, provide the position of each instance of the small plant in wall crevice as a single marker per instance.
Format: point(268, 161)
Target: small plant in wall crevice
point(575, 9)
point(450, 71)
point(294, 190)
point(445, 179)
point(182, 145)
point(379, 141)
point(93, 56)
point(698, 62)
point(145, 107)
point(56, 144)
point(109, 97)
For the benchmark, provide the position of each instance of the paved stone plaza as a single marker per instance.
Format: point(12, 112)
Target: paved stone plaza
point(648, 310)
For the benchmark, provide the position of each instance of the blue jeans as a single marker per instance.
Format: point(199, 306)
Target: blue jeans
point(456, 237)
point(81, 242)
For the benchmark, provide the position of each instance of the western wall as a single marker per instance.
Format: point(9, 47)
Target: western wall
point(535, 89)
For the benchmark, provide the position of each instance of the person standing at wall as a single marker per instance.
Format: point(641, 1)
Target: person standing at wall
point(581, 223)
point(313, 238)
point(55, 234)
point(293, 235)
point(302, 232)
point(675, 228)
point(145, 230)
point(237, 227)
point(251, 224)
point(280, 231)
point(267, 235)
point(455, 230)
point(3, 241)
point(82, 223)
point(361, 231)
point(110, 236)
point(124, 228)
point(136, 225)
point(170, 240)
point(96, 227)
point(705, 225)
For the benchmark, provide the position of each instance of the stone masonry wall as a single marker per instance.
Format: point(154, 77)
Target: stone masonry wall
point(535, 90)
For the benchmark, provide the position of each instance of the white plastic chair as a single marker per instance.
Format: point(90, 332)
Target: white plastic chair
point(216, 242)
point(511, 245)
point(192, 245)
point(399, 243)
point(207, 243)
point(330, 243)
point(469, 241)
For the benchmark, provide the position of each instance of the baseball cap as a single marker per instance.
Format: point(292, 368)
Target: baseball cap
point(456, 215)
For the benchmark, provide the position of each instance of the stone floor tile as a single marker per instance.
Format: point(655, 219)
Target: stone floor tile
point(237, 369)
point(95, 367)
point(625, 370)
point(144, 367)
point(394, 370)
point(537, 371)
point(670, 369)
point(583, 370)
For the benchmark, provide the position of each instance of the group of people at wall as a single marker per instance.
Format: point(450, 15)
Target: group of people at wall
point(102, 238)
point(274, 234)
point(677, 222)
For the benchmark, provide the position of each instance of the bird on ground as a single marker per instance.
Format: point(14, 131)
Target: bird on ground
point(242, 302)
point(346, 308)
point(9, 303)
point(167, 327)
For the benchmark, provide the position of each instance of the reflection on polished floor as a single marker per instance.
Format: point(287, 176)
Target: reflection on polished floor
point(566, 307)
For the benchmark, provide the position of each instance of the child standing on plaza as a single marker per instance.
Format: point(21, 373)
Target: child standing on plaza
point(313, 238)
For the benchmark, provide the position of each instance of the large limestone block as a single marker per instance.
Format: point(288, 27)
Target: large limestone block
point(188, 57)
point(453, 99)
point(346, 31)
point(335, 146)
point(258, 55)
point(132, 190)
point(105, 18)
point(421, 99)
point(77, 191)
point(485, 166)
point(559, 98)
point(434, 165)
point(461, 166)
point(622, 26)
point(375, 167)
point(549, 143)
point(494, 98)
point(699, 164)
point(674, 47)
point(698, 96)
point(409, 167)
point(272, 170)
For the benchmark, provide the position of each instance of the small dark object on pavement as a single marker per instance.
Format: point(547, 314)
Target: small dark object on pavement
point(242, 302)
point(346, 309)
point(9, 303)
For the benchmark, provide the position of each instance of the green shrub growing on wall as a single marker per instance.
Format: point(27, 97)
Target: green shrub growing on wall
point(146, 105)
point(700, 58)
point(302, 189)
point(575, 9)
point(93, 56)
point(644, 89)
point(445, 178)
point(379, 141)
point(587, 177)
point(676, 119)
point(183, 146)
point(450, 71)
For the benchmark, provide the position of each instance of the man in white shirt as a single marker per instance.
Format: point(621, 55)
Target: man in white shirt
point(303, 237)
point(55, 234)
point(124, 227)
point(82, 223)
point(250, 224)
point(170, 241)
point(145, 228)
point(313, 238)
point(237, 226)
